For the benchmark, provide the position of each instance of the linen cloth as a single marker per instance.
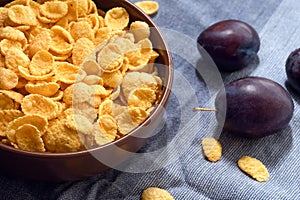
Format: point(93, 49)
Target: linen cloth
point(189, 175)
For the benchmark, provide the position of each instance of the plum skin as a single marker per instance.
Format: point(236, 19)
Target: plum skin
point(255, 107)
point(232, 44)
point(292, 68)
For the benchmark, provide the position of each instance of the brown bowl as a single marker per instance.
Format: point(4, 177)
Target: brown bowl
point(79, 165)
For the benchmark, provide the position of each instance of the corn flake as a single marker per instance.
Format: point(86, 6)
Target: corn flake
point(142, 97)
point(6, 44)
point(133, 80)
point(108, 124)
point(24, 72)
point(13, 34)
point(42, 63)
point(102, 138)
point(81, 29)
point(40, 42)
point(9, 79)
point(54, 9)
point(140, 30)
point(112, 80)
point(83, 47)
point(6, 116)
point(22, 15)
point(153, 193)
point(116, 18)
point(28, 138)
point(39, 122)
point(149, 7)
point(6, 103)
point(46, 89)
point(59, 138)
point(79, 123)
point(14, 58)
point(62, 40)
point(253, 168)
point(105, 107)
point(39, 105)
point(66, 72)
point(110, 58)
point(212, 149)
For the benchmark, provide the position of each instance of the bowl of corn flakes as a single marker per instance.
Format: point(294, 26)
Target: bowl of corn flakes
point(80, 79)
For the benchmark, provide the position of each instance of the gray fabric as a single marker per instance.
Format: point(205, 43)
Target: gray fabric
point(191, 176)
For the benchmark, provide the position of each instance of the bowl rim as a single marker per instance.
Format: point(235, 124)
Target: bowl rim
point(154, 115)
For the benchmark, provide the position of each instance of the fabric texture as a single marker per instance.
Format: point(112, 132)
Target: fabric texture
point(189, 175)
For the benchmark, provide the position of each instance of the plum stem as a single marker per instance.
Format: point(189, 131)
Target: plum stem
point(206, 109)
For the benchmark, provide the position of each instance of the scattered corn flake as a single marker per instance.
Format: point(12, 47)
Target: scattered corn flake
point(22, 15)
point(6, 116)
point(46, 89)
point(9, 79)
point(142, 97)
point(108, 124)
point(28, 138)
point(254, 168)
point(149, 7)
point(83, 47)
point(14, 58)
point(140, 30)
point(39, 105)
point(116, 18)
point(79, 123)
point(6, 44)
point(66, 72)
point(81, 29)
point(54, 9)
point(59, 138)
point(39, 122)
point(212, 149)
point(154, 193)
point(41, 63)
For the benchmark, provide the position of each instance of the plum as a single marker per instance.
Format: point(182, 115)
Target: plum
point(232, 44)
point(255, 107)
point(292, 68)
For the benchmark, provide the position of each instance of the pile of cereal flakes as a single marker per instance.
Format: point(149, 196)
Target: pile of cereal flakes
point(73, 76)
